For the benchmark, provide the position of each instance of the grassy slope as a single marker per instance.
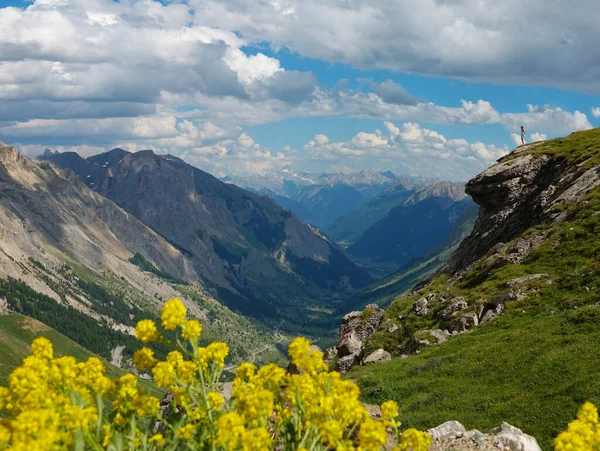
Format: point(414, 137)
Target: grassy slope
point(533, 366)
point(16, 334)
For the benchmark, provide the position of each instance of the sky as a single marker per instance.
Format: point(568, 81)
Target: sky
point(436, 88)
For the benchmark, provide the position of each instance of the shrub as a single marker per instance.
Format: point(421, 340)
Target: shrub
point(59, 403)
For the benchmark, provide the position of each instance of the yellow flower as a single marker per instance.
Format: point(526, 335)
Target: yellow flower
point(331, 432)
point(157, 439)
point(298, 348)
point(146, 405)
point(175, 358)
point(108, 434)
point(173, 314)
point(42, 348)
point(164, 374)
point(191, 330)
point(230, 429)
point(144, 358)
point(215, 400)
point(256, 440)
point(588, 413)
point(413, 440)
point(186, 371)
point(389, 411)
point(186, 432)
point(245, 370)
point(146, 331)
point(217, 353)
point(306, 360)
point(372, 435)
point(4, 397)
point(4, 435)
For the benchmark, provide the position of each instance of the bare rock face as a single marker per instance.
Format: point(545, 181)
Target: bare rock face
point(8, 155)
point(447, 429)
point(363, 324)
point(349, 345)
point(377, 356)
point(344, 364)
point(514, 195)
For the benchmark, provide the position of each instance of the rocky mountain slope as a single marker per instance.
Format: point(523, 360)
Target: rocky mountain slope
point(416, 228)
point(509, 328)
point(67, 259)
point(253, 255)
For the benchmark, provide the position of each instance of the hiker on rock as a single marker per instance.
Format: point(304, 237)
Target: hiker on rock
point(522, 135)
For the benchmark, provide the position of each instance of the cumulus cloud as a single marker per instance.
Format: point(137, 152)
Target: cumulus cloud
point(538, 137)
point(409, 149)
point(391, 92)
point(63, 58)
point(596, 111)
point(459, 38)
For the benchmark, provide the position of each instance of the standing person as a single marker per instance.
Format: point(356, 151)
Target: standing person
point(522, 135)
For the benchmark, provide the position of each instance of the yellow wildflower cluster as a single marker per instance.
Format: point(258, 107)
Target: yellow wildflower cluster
point(57, 403)
point(582, 434)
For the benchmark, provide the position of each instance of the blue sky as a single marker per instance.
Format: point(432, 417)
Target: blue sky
point(239, 86)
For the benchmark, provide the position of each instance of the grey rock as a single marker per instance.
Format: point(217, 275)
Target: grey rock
point(344, 364)
point(455, 305)
point(420, 307)
point(509, 197)
point(330, 353)
point(380, 355)
point(373, 409)
point(474, 435)
point(463, 323)
point(512, 283)
point(445, 430)
point(499, 248)
point(520, 246)
point(507, 436)
point(349, 345)
point(440, 335)
point(393, 329)
point(363, 324)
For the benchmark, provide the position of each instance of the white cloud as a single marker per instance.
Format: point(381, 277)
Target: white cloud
point(538, 137)
point(409, 148)
point(596, 111)
point(467, 39)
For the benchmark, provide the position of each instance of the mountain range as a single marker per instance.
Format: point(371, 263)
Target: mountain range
point(253, 255)
point(430, 220)
point(321, 199)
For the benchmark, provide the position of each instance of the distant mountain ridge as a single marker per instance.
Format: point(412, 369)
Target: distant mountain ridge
point(257, 257)
point(323, 198)
point(417, 227)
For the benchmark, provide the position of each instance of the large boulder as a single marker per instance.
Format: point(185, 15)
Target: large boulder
point(344, 364)
point(507, 436)
point(448, 429)
point(380, 355)
point(349, 345)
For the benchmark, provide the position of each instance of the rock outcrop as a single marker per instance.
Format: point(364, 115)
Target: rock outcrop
point(453, 436)
point(515, 195)
point(357, 327)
